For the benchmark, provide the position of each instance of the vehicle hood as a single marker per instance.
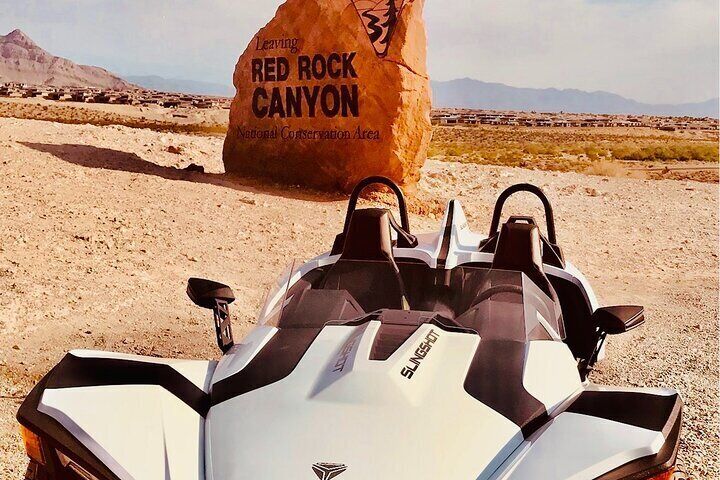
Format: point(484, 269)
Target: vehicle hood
point(406, 417)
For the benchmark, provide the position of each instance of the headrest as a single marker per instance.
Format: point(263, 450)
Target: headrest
point(519, 248)
point(368, 236)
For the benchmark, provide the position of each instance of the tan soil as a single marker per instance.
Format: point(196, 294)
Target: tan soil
point(99, 232)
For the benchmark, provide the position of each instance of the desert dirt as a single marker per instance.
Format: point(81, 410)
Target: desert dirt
point(99, 231)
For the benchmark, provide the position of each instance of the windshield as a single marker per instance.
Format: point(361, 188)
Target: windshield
point(497, 304)
point(507, 305)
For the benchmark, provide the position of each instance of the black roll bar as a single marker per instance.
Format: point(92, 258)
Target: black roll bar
point(355, 196)
point(524, 187)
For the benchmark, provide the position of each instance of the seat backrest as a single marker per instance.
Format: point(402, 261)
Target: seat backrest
point(369, 236)
point(366, 268)
point(519, 249)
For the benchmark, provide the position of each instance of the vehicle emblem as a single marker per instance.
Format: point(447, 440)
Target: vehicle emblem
point(379, 19)
point(326, 471)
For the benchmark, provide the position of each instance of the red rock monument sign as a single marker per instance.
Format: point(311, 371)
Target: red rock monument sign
point(332, 91)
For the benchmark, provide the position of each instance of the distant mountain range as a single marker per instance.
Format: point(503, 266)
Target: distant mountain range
point(22, 61)
point(155, 82)
point(469, 93)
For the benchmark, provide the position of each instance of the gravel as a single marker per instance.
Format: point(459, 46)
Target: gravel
point(100, 230)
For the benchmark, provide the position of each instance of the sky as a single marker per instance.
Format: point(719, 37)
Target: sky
point(654, 51)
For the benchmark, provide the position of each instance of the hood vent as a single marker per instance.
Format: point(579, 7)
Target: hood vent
point(397, 326)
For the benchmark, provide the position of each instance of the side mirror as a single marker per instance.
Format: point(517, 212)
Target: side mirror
point(204, 293)
point(217, 297)
point(620, 319)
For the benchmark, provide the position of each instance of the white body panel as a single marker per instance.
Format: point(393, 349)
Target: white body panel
point(568, 437)
point(354, 415)
point(550, 373)
point(141, 432)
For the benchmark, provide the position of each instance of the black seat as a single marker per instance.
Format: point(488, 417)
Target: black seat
point(519, 248)
point(366, 268)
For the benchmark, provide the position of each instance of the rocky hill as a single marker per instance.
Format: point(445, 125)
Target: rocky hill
point(194, 87)
point(23, 61)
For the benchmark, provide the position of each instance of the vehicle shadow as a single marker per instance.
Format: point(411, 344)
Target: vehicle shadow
point(109, 159)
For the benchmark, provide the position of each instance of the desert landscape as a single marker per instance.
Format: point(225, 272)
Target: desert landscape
point(102, 226)
point(650, 151)
point(112, 195)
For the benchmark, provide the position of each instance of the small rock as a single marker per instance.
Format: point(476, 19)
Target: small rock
point(173, 149)
point(193, 167)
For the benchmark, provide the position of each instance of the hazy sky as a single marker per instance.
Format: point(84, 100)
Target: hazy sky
point(658, 51)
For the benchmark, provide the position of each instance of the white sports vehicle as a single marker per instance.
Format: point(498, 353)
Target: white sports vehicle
point(444, 355)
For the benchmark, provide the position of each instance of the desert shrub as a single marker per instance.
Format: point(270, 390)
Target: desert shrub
point(536, 148)
point(79, 115)
point(451, 149)
point(683, 152)
point(574, 149)
point(511, 159)
point(606, 168)
point(456, 150)
point(434, 151)
point(594, 151)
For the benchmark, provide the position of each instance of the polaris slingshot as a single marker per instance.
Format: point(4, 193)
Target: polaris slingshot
point(438, 356)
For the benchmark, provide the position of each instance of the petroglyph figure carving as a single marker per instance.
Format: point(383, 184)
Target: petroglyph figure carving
point(380, 18)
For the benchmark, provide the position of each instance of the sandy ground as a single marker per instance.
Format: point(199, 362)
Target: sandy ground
point(99, 231)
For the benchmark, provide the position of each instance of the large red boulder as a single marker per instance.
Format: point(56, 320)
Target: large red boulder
point(332, 91)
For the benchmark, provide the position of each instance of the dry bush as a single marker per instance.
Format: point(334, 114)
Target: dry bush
point(77, 115)
point(534, 148)
point(679, 151)
point(607, 168)
point(597, 151)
